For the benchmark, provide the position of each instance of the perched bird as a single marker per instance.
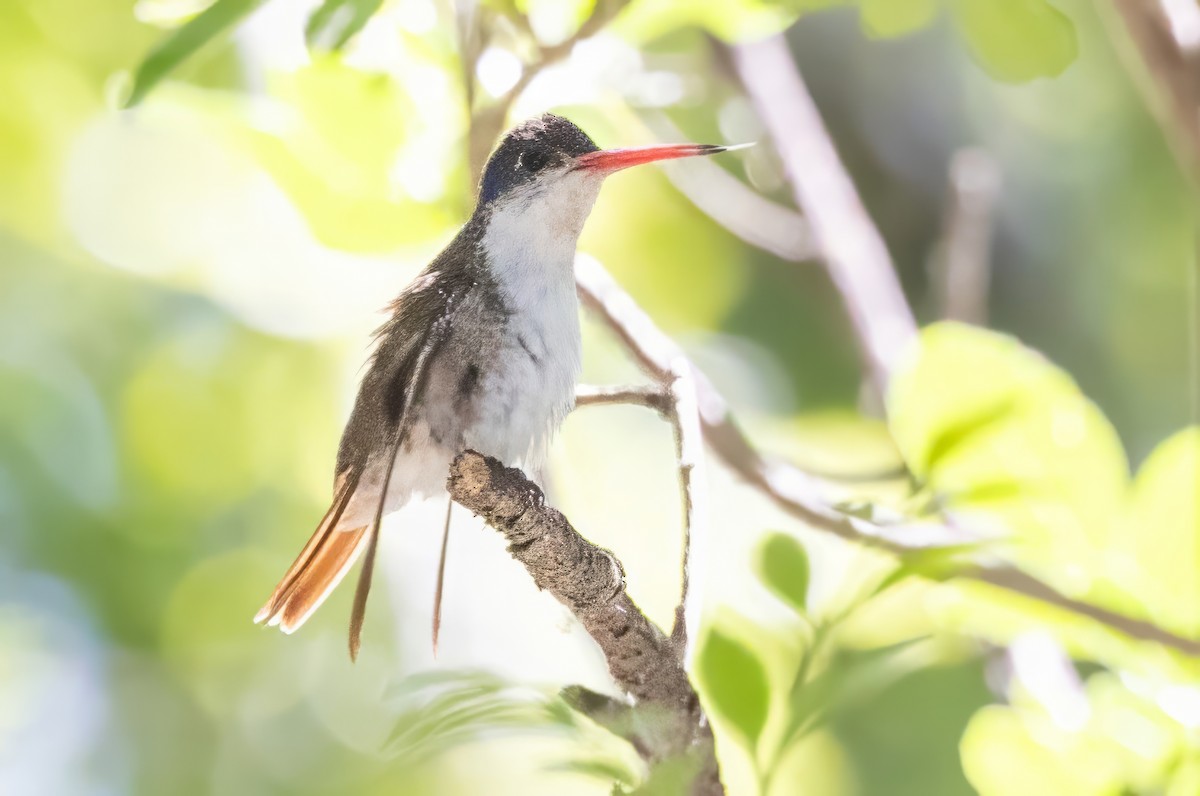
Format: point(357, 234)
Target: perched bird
point(481, 351)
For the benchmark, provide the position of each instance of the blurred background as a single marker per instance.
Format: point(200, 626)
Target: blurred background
point(187, 289)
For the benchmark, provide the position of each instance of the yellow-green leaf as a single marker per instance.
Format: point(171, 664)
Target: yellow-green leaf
point(783, 567)
point(335, 22)
point(338, 161)
point(736, 684)
point(1001, 756)
point(184, 42)
point(731, 20)
point(997, 430)
point(1160, 541)
point(1055, 740)
point(1017, 40)
point(883, 19)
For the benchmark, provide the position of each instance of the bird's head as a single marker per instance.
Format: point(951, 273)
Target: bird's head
point(550, 170)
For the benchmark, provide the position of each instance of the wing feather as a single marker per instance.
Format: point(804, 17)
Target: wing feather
point(437, 335)
point(380, 422)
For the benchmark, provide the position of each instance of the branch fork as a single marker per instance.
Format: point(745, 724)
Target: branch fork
point(590, 581)
point(837, 230)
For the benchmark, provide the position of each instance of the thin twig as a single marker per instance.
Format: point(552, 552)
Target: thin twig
point(962, 267)
point(798, 493)
point(466, 21)
point(591, 582)
point(648, 395)
point(861, 268)
point(742, 211)
point(850, 245)
point(676, 403)
point(657, 354)
point(1166, 55)
point(1014, 580)
point(689, 454)
point(487, 123)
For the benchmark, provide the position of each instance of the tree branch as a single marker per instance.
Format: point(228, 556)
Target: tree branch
point(647, 395)
point(689, 453)
point(591, 582)
point(1014, 580)
point(1166, 40)
point(793, 489)
point(676, 403)
point(848, 241)
point(798, 493)
point(1165, 35)
point(737, 207)
point(962, 266)
point(862, 270)
point(487, 123)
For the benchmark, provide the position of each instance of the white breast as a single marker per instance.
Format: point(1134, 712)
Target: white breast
point(530, 243)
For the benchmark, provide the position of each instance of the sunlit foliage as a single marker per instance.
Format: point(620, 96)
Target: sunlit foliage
point(186, 290)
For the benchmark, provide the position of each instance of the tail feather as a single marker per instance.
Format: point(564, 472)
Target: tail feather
point(319, 578)
point(441, 579)
point(359, 610)
point(320, 566)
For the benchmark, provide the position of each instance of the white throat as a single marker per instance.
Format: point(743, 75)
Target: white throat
point(530, 246)
point(531, 237)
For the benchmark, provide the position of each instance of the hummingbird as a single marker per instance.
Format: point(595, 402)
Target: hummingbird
point(481, 351)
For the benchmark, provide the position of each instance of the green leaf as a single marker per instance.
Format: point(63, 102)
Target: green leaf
point(1017, 40)
point(556, 20)
point(730, 20)
point(438, 711)
point(809, 6)
point(671, 777)
point(885, 19)
point(849, 675)
point(1161, 533)
point(184, 42)
point(953, 435)
point(736, 684)
point(931, 563)
point(335, 22)
point(998, 755)
point(1075, 745)
point(337, 162)
point(605, 769)
point(1021, 450)
point(783, 567)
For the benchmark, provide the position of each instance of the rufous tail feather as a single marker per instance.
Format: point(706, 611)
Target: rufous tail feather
point(321, 565)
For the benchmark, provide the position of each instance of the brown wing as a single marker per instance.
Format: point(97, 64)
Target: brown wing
point(381, 418)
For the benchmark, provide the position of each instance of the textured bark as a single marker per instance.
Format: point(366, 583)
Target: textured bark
point(668, 722)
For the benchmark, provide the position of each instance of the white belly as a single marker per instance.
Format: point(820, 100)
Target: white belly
point(527, 387)
point(530, 389)
point(527, 381)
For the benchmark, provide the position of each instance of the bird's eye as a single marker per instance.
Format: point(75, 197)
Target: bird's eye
point(533, 160)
